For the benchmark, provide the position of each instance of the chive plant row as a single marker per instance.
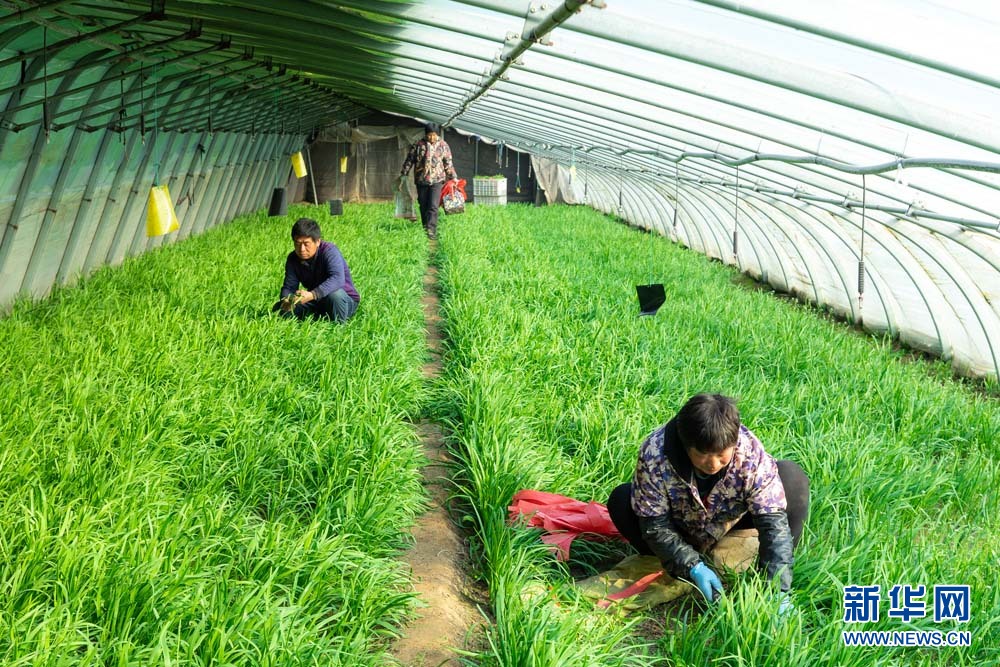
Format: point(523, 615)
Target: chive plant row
point(186, 479)
point(554, 381)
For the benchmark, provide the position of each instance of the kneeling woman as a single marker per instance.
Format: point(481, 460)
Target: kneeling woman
point(700, 476)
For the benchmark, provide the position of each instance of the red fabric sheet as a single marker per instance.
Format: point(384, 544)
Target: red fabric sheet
point(563, 519)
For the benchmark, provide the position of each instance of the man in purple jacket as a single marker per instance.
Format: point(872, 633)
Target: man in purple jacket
point(317, 265)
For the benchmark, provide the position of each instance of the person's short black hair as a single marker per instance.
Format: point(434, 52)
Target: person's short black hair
point(306, 227)
point(432, 127)
point(708, 423)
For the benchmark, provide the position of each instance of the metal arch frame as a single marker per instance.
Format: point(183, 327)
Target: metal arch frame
point(117, 252)
point(10, 225)
point(511, 54)
point(812, 28)
point(144, 87)
point(474, 34)
point(761, 234)
point(656, 82)
point(745, 131)
point(611, 29)
point(51, 209)
point(28, 177)
point(197, 183)
point(817, 247)
point(940, 294)
point(805, 207)
point(799, 179)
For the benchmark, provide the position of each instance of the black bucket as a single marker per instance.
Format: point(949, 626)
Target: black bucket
point(651, 297)
point(336, 207)
point(279, 205)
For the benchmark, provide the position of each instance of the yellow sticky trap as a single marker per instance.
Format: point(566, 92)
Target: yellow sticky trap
point(299, 165)
point(160, 216)
point(343, 165)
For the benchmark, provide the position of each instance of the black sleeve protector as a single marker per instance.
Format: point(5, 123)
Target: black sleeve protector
point(677, 556)
point(775, 557)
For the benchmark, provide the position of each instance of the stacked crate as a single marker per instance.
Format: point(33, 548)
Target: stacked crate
point(489, 191)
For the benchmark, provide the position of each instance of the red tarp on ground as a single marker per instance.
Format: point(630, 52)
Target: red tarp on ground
point(563, 519)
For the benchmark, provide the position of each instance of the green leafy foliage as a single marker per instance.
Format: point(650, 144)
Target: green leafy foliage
point(188, 479)
point(555, 381)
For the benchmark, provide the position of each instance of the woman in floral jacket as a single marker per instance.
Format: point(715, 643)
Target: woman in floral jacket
point(701, 475)
point(430, 159)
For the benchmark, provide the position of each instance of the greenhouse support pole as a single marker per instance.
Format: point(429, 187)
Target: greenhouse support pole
point(312, 181)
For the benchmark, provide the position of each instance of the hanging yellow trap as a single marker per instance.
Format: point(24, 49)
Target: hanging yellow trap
point(299, 165)
point(343, 164)
point(160, 216)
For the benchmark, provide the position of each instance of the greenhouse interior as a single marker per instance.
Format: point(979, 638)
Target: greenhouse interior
point(519, 250)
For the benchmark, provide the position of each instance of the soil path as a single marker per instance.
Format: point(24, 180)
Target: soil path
point(449, 619)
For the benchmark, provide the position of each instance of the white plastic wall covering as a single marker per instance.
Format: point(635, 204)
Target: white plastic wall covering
point(217, 198)
point(943, 30)
point(717, 215)
point(189, 202)
point(83, 225)
point(39, 180)
point(261, 188)
point(53, 231)
point(912, 237)
point(231, 202)
point(964, 338)
point(813, 66)
point(920, 304)
point(761, 234)
point(208, 199)
point(839, 256)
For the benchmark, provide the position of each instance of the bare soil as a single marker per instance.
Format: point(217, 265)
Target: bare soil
point(449, 620)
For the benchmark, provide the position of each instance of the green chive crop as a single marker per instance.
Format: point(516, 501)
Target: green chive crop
point(187, 479)
point(554, 381)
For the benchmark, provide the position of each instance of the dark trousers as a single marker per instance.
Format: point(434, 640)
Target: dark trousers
point(428, 198)
point(337, 306)
point(793, 478)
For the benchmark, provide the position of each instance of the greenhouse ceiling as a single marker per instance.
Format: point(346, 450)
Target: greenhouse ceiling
point(845, 152)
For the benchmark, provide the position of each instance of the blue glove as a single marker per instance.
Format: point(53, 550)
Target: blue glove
point(785, 606)
point(707, 581)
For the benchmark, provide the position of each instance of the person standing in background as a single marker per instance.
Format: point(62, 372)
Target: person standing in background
point(430, 159)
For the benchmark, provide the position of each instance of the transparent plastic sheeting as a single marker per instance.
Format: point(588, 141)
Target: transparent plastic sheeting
point(935, 286)
point(650, 102)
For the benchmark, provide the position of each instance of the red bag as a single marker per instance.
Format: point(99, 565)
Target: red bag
point(453, 196)
point(564, 519)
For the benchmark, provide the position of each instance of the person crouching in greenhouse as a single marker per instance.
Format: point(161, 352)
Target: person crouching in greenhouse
point(703, 479)
point(320, 268)
point(430, 159)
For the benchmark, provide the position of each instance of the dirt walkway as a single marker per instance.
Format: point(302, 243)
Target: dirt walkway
point(438, 553)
